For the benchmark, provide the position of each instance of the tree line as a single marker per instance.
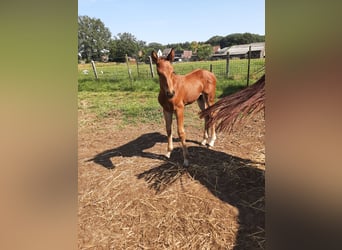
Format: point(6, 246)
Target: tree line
point(95, 42)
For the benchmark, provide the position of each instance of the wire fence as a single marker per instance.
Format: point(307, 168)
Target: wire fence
point(233, 69)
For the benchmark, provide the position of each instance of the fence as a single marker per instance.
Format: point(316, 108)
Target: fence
point(242, 70)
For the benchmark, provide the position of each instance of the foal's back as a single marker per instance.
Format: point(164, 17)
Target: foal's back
point(198, 82)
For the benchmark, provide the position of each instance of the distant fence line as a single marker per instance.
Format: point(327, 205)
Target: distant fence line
point(235, 69)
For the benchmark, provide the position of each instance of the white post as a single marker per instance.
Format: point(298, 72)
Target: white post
point(94, 69)
point(151, 66)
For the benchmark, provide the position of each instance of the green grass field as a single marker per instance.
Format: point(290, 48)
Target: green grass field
point(135, 100)
point(115, 72)
point(129, 107)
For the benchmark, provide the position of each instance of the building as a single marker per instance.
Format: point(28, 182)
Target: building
point(220, 54)
point(187, 54)
point(216, 48)
point(240, 51)
point(184, 55)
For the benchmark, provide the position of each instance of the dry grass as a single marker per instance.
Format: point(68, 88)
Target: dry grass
point(171, 210)
point(145, 201)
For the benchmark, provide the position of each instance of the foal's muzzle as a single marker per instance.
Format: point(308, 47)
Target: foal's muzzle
point(170, 94)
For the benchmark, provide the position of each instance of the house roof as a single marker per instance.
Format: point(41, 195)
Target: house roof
point(222, 51)
point(244, 48)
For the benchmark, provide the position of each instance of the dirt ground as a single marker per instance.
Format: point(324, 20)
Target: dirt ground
point(132, 197)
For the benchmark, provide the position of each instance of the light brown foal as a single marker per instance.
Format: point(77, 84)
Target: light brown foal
point(176, 91)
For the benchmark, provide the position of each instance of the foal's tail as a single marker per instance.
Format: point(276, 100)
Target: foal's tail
point(211, 78)
point(209, 88)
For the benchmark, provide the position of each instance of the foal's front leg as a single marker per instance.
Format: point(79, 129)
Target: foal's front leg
point(168, 122)
point(181, 134)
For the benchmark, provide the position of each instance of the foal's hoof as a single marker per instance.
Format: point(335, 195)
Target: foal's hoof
point(211, 144)
point(168, 154)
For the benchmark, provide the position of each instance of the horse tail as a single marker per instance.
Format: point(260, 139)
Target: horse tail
point(213, 79)
point(210, 86)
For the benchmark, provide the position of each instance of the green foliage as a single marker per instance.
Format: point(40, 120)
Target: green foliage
point(125, 43)
point(204, 51)
point(235, 39)
point(93, 36)
point(215, 40)
point(179, 46)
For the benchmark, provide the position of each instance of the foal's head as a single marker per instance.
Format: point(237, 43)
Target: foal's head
point(165, 71)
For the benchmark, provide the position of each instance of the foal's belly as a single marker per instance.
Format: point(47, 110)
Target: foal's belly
point(191, 99)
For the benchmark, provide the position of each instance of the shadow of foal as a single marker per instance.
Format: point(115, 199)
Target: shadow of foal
point(132, 148)
point(231, 179)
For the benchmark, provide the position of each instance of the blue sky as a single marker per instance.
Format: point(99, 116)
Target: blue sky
point(177, 21)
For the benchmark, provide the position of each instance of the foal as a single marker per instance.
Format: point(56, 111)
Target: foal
point(176, 91)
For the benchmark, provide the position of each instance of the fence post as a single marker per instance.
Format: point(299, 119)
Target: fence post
point(151, 66)
point(138, 67)
point(129, 69)
point(227, 65)
point(94, 69)
point(211, 68)
point(249, 63)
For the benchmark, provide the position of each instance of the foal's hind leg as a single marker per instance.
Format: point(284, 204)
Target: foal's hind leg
point(210, 101)
point(202, 105)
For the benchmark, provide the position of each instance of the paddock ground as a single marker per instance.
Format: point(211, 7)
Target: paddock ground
point(131, 197)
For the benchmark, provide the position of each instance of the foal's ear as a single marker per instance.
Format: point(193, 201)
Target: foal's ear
point(171, 55)
point(154, 56)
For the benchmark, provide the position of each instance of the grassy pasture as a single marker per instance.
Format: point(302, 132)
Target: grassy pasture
point(129, 107)
point(116, 72)
point(135, 100)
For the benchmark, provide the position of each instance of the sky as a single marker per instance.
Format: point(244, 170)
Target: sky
point(177, 21)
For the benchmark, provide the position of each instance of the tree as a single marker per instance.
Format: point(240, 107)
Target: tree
point(235, 39)
point(240, 38)
point(147, 49)
point(204, 51)
point(186, 46)
point(156, 46)
point(194, 46)
point(125, 43)
point(93, 37)
point(215, 40)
